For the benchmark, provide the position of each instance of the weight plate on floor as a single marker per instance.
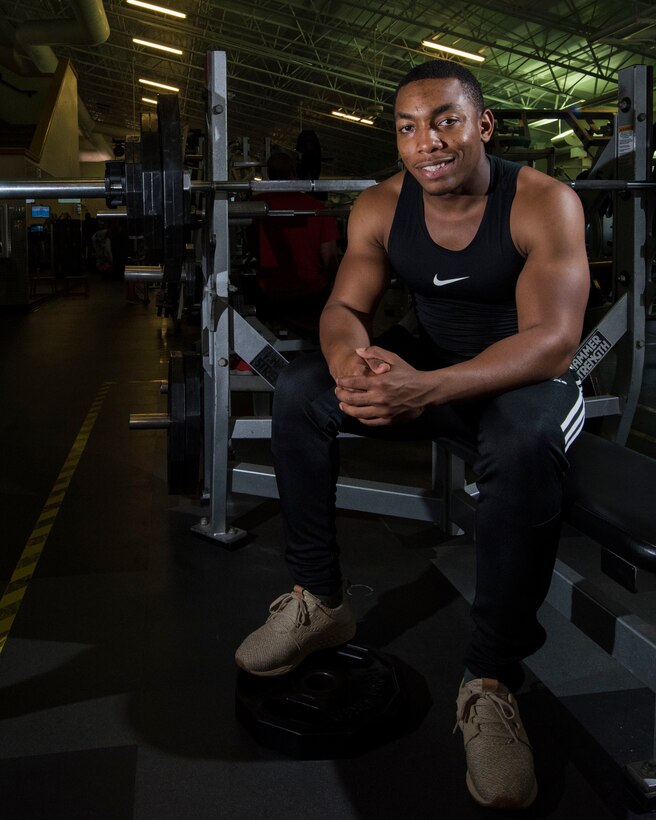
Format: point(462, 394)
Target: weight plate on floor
point(338, 703)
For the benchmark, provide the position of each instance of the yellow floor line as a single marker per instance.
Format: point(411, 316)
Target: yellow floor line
point(22, 575)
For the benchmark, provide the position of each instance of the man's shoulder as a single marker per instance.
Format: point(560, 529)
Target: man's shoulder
point(535, 180)
point(539, 191)
point(384, 194)
point(544, 207)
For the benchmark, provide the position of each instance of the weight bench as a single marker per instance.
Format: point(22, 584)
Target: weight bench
point(608, 496)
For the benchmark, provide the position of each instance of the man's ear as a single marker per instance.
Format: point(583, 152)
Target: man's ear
point(487, 125)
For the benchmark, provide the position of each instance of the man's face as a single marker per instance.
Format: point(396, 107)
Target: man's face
point(440, 135)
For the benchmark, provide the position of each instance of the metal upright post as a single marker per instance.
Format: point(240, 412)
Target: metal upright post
point(216, 318)
point(632, 226)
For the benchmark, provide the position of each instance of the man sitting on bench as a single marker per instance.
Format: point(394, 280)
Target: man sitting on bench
point(494, 256)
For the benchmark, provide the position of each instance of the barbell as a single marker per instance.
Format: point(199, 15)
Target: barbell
point(156, 190)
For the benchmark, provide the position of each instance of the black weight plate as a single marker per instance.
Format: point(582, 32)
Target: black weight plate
point(337, 703)
point(134, 189)
point(152, 207)
point(173, 194)
point(176, 463)
point(185, 422)
point(193, 419)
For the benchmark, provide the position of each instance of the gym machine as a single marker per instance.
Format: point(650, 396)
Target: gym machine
point(157, 192)
point(623, 176)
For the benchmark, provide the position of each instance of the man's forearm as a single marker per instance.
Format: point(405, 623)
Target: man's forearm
point(342, 330)
point(523, 358)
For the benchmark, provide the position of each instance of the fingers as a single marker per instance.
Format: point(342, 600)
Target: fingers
point(353, 396)
point(376, 358)
point(359, 384)
point(375, 416)
point(377, 401)
point(367, 415)
point(376, 422)
point(378, 366)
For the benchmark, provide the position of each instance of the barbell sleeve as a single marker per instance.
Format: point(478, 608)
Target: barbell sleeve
point(53, 189)
point(143, 273)
point(149, 421)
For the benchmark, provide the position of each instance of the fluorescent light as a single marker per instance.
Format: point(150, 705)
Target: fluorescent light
point(152, 7)
point(159, 85)
point(352, 118)
point(562, 135)
point(538, 123)
point(156, 45)
point(148, 100)
point(468, 55)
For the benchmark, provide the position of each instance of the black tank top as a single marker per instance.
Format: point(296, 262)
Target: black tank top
point(464, 300)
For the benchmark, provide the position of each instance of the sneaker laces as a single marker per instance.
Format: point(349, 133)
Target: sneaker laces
point(289, 611)
point(493, 714)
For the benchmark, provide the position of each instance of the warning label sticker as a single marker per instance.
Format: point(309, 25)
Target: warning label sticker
point(625, 140)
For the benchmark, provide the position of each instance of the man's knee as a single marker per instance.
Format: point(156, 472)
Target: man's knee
point(304, 390)
point(301, 378)
point(523, 462)
point(520, 433)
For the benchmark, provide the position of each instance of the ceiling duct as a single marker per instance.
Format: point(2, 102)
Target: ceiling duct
point(88, 27)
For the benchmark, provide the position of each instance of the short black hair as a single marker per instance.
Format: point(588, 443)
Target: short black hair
point(445, 70)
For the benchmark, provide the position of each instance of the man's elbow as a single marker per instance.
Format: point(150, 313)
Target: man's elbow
point(561, 354)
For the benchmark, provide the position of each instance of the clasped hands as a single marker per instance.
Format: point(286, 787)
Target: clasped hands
point(381, 389)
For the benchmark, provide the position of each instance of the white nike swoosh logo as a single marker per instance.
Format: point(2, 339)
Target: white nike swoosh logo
point(440, 282)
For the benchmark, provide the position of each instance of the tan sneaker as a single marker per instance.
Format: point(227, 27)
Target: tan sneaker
point(298, 624)
point(499, 757)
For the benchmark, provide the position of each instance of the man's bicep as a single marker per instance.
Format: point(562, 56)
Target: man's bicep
point(362, 278)
point(554, 284)
point(363, 274)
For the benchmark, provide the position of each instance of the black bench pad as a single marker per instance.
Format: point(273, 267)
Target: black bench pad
point(610, 495)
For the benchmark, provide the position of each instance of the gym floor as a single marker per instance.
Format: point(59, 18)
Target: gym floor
point(117, 681)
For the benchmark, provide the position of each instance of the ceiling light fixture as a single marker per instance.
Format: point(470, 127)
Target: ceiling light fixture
point(449, 50)
point(159, 85)
point(562, 135)
point(156, 45)
point(538, 123)
point(148, 100)
point(352, 118)
point(160, 9)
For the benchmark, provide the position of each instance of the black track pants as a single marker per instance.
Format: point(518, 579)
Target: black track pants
point(522, 437)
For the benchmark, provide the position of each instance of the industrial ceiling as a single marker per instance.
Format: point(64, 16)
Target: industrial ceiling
point(292, 62)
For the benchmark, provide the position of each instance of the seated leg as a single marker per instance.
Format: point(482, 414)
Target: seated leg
point(316, 614)
point(523, 439)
